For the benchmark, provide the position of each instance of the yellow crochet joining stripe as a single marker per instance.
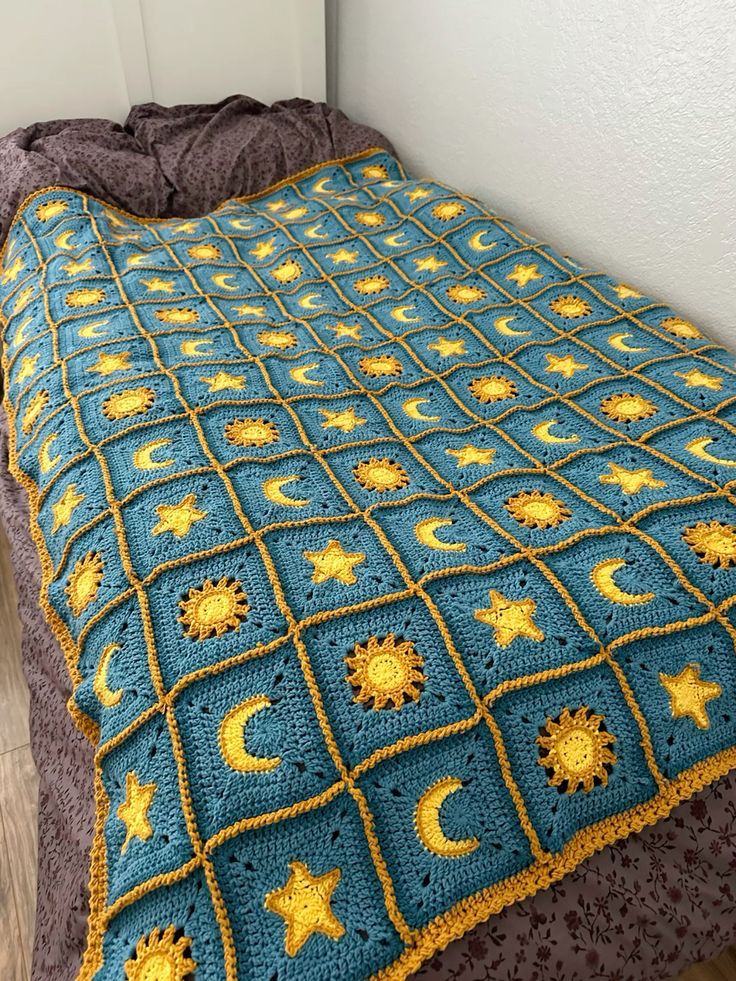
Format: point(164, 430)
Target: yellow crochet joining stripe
point(420, 944)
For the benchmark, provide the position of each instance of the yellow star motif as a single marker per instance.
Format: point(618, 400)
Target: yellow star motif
point(248, 310)
point(630, 481)
point(447, 348)
point(13, 271)
point(689, 694)
point(343, 255)
point(158, 285)
point(429, 264)
point(417, 194)
point(65, 507)
point(333, 562)
point(223, 380)
point(178, 518)
point(262, 250)
point(108, 364)
point(133, 812)
point(74, 268)
point(524, 273)
point(346, 420)
point(624, 292)
point(566, 366)
point(187, 227)
point(346, 330)
point(304, 905)
point(27, 367)
point(510, 618)
point(699, 379)
point(469, 455)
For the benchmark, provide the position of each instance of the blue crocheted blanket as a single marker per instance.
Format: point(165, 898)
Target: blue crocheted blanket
point(393, 555)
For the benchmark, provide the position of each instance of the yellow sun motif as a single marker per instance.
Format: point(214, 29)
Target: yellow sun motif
point(213, 609)
point(33, 410)
point(204, 252)
point(287, 271)
point(281, 339)
point(713, 542)
point(493, 388)
point(131, 402)
point(177, 315)
point(108, 364)
point(384, 671)
point(381, 366)
point(50, 209)
point(510, 618)
point(178, 518)
point(631, 481)
point(574, 750)
point(381, 475)
point(627, 407)
point(571, 307)
point(535, 509)
point(84, 581)
point(333, 562)
point(447, 210)
point(374, 172)
point(680, 328)
point(161, 957)
point(371, 219)
point(251, 432)
point(465, 294)
point(346, 420)
point(65, 507)
point(371, 285)
point(84, 297)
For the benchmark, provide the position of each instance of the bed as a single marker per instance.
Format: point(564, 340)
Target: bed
point(656, 897)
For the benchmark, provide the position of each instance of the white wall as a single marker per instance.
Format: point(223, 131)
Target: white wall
point(608, 128)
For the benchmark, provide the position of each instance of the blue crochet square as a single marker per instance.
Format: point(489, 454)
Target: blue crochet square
point(181, 517)
point(338, 329)
point(508, 623)
point(444, 210)
point(701, 538)
point(554, 431)
point(340, 421)
point(196, 349)
point(569, 306)
point(491, 390)
point(472, 454)
point(290, 488)
point(40, 402)
point(414, 309)
point(507, 328)
point(145, 831)
point(147, 257)
point(385, 365)
point(53, 446)
point(35, 354)
point(146, 453)
point(95, 329)
point(226, 279)
point(619, 294)
point(153, 284)
point(564, 366)
point(117, 361)
point(384, 674)
point(627, 343)
point(221, 381)
point(120, 405)
point(287, 339)
point(327, 565)
point(443, 348)
point(381, 472)
point(76, 498)
point(446, 823)
point(340, 253)
point(423, 407)
point(687, 691)
point(211, 609)
point(326, 844)
point(429, 264)
point(162, 316)
point(253, 310)
point(525, 273)
point(257, 243)
point(431, 535)
point(90, 575)
point(629, 406)
point(252, 741)
point(470, 292)
point(591, 703)
point(703, 446)
point(379, 166)
point(309, 299)
point(621, 584)
point(291, 270)
point(185, 905)
point(251, 429)
point(367, 215)
point(698, 382)
point(672, 327)
point(115, 665)
point(476, 241)
point(308, 374)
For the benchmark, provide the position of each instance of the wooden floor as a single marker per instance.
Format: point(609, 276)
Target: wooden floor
point(18, 788)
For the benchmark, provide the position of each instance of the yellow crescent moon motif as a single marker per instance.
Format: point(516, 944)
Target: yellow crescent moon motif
point(475, 242)
point(219, 279)
point(602, 578)
point(100, 687)
point(319, 186)
point(232, 738)
point(427, 821)
point(314, 232)
point(90, 330)
point(411, 408)
point(194, 348)
point(62, 241)
point(698, 447)
point(20, 332)
point(307, 302)
point(272, 490)
point(543, 434)
point(143, 460)
point(619, 342)
point(299, 374)
point(241, 224)
point(45, 461)
point(393, 240)
point(399, 313)
point(502, 326)
point(426, 534)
